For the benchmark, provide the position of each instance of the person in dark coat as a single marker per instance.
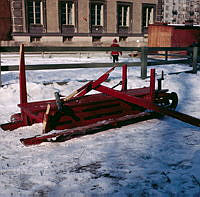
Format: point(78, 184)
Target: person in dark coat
point(115, 54)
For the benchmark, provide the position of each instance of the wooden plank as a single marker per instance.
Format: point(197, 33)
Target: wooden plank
point(161, 62)
point(79, 49)
point(167, 48)
point(90, 65)
point(169, 55)
point(59, 49)
point(67, 66)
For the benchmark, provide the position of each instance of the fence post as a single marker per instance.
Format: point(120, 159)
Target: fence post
point(194, 59)
point(0, 67)
point(166, 55)
point(143, 63)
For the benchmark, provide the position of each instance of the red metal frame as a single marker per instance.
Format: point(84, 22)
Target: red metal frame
point(79, 110)
point(124, 77)
point(22, 83)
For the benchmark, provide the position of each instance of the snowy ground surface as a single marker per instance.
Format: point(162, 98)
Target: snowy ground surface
point(158, 158)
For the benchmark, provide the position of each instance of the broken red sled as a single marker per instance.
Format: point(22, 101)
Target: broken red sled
point(79, 114)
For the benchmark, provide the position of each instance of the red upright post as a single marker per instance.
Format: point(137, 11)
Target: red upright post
point(152, 84)
point(22, 82)
point(124, 77)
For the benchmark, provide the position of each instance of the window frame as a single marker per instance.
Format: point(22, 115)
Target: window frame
point(125, 15)
point(35, 27)
point(97, 25)
point(125, 26)
point(97, 15)
point(146, 15)
point(34, 12)
point(66, 27)
point(69, 12)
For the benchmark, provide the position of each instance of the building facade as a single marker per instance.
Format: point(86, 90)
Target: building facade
point(81, 22)
point(160, 7)
point(5, 20)
point(181, 11)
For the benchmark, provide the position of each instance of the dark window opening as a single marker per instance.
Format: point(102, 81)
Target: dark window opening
point(35, 39)
point(35, 12)
point(148, 15)
point(96, 39)
point(96, 14)
point(67, 38)
point(122, 38)
point(67, 12)
point(123, 15)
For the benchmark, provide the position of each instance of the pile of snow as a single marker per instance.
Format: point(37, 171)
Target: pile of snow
point(152, 158)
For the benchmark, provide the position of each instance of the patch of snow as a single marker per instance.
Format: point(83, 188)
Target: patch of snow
point(158, 158)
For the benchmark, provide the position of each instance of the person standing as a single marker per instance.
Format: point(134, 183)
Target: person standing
point(115, 54)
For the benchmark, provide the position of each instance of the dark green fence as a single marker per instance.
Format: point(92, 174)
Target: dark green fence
point(146, 54)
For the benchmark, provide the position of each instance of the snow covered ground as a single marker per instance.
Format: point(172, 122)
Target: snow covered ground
point(158, 158)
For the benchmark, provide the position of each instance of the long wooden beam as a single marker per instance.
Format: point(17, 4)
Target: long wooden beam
point(90, 48)
point(88, 65)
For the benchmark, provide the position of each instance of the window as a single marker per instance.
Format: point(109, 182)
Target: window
point(96, 39)
point(96, 12)
point(148, 15)
point(35, 12)
point(35, 39)
point(67, 13)
point(67, 16)
point(123, 15)
point(122, 38)
point(67, 38)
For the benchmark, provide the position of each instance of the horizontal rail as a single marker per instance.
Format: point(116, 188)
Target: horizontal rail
point(61, 49)
point(67, 66)
point(87, 65)
point(65, 49)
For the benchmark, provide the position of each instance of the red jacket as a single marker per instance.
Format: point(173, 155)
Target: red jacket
point(115, 52)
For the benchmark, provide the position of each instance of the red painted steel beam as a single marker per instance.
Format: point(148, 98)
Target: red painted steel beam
point(33, 117)
point(149, 105)
point(93, 84)
point(22, 77)
point(123, 96)
point(12, 125)
point(22, 83)
point(124, 77)
point(152, 84)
